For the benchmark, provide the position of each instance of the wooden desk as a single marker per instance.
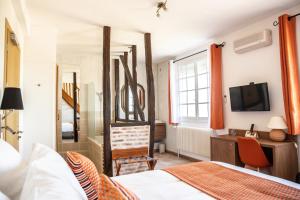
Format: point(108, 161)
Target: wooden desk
point(282, 155)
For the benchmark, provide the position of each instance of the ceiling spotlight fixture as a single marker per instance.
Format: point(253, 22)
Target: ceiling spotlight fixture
point(161, 5)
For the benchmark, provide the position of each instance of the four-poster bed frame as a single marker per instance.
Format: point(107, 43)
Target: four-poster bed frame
point(131, 81)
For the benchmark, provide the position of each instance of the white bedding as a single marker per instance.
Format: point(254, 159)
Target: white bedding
point(66, 127)
point(161, 185)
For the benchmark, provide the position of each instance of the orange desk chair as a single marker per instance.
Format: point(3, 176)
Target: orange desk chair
point(251, 153)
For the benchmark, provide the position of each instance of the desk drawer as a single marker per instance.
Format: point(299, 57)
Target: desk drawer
point(223, 151)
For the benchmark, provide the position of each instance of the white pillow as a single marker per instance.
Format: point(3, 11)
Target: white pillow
point(49, 177)
point(12, 171)
point(9, 157)
point(3, 196)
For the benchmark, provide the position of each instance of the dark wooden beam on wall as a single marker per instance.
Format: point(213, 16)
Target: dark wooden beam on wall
point(126, 89)
point(106, 101)
point(134, 92)
point(134, 77)
point(150, 90)
point(117, 88)
point(75, 107)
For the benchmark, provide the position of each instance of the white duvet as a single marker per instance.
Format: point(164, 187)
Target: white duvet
point(160, 185)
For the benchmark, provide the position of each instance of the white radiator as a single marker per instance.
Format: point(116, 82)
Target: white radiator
point(194, 141)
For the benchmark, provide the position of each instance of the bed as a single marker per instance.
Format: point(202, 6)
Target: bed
point(67, 130)
point(46, 176)
point(159, 184)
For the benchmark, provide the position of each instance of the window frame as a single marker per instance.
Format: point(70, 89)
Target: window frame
point(200, 121)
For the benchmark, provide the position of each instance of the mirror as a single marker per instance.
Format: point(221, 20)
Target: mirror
point(70, 106)
point(141, 98)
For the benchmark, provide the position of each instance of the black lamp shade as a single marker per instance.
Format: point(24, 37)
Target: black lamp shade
point(12, 99)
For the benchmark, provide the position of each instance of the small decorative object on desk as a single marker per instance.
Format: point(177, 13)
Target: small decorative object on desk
point(233, 132)
point(277, 124)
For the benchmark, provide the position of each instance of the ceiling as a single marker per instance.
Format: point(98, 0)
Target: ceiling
point(186, 25)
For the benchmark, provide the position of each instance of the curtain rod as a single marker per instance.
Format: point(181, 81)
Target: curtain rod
point(294, 16)
point(219, 45)
point(275, 23)
point(189, 56)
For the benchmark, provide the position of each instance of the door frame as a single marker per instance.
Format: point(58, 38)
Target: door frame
point(9, 30)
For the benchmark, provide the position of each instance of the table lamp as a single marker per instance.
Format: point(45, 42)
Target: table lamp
point(12, 100)
point(278, 125)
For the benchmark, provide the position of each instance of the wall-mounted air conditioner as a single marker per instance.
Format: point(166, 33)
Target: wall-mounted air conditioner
point(252, 42)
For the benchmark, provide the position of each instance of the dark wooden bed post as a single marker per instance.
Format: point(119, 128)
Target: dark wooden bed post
point(117, 88)
point(134, 77)
point(126, 89)
point(106, 101)
point(150, 90)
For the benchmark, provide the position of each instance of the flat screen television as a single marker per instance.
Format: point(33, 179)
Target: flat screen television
point(253, 97)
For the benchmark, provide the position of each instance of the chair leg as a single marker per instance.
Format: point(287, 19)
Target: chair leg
point(250, 167)
point(151, 164)
point(118, 167)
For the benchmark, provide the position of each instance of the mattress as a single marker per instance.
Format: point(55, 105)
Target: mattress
point(161, 185)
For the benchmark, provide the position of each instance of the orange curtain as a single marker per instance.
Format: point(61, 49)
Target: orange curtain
point(290, 73)
point(216, 99)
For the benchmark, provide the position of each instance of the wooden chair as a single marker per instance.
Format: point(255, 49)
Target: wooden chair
point(251, 153)
point(130, 144)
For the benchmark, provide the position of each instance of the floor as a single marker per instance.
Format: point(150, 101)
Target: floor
point(167, 160)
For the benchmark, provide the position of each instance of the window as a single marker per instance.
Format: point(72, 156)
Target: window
point(193, 90)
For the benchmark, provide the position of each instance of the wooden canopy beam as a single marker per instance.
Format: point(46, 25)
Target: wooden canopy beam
point(106, 101)
point(117, 88)
point(134, 77)
point(126, 89)
point(150, 90)
point(131, 84)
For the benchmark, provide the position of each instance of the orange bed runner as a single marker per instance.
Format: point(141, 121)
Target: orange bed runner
point(224, 183)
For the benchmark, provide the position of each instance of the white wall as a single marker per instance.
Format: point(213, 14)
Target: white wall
point(39, 101)
point(7, 11)
point(67, 112)
point(262, 65)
